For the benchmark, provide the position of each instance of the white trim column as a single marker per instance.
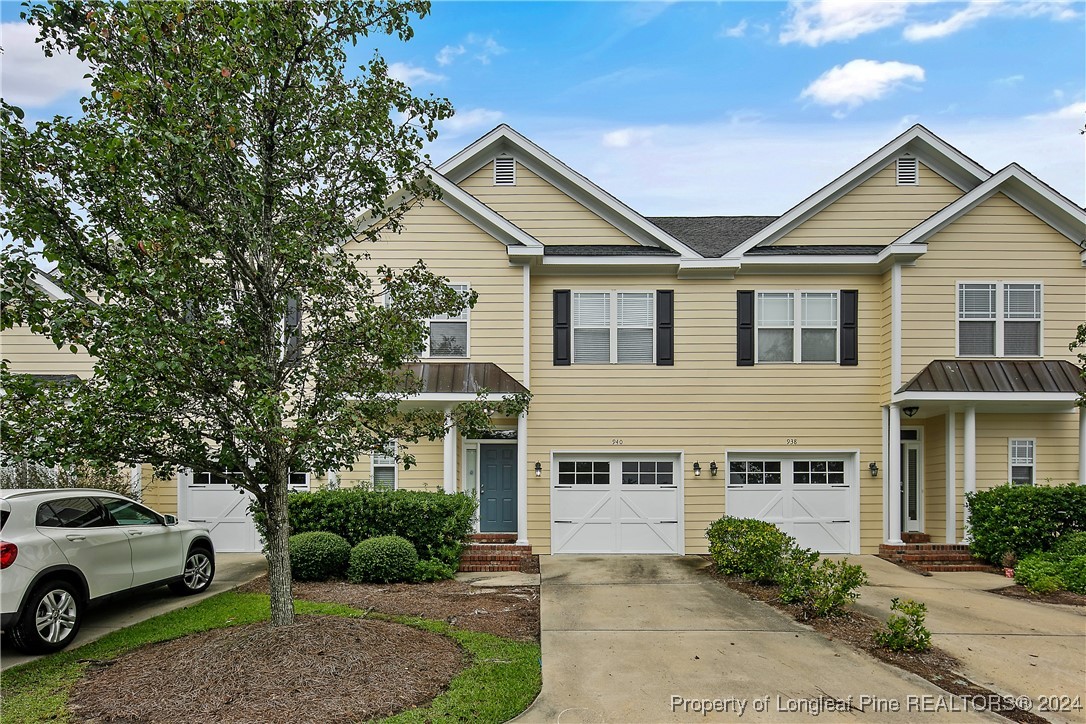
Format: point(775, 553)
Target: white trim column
point(522, 479)
point(1082, 446)
point(893, 477)
point(951, 476)
point(969, 463)
point(135, 481)
point(449, 457)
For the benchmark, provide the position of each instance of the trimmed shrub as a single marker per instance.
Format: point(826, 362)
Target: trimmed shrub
point(1070, 545)
point(1023, 519)
point(795, 573)
point(437, 524)
point(318, 556)
point(823, 588)
point(905, 631)
point(385, 559)
point(1073, 573)
point(432, 570)
point(747, 547)
point(1039, 573)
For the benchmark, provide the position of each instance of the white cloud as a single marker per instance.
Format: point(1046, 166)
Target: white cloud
point(1010, 81)
point(827, 21)
point(28, 78)
point(449, 53)
point(968, 16)
point(470, 120)
point(1074, 112)
point(411, 74)
point(859, 81)
point(735, 31)
point(626, 137)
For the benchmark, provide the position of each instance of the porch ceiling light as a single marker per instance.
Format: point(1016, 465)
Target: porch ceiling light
point(538, 469)
point(713, 468)
point(697, 470)
point(910, 411)
point(874, 469)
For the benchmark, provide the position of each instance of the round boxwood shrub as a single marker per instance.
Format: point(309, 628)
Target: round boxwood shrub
point(384, 559)
point(318, 556)
point(753, 549)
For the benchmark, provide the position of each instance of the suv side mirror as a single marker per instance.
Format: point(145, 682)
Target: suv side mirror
point(168, 519)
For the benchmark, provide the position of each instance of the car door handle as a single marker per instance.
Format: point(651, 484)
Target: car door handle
point(135, 532)
point(75, 538)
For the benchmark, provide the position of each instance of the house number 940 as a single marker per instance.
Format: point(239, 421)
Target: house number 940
point(616, 441)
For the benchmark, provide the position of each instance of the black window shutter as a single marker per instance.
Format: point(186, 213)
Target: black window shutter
point(562, 352)
point(849, 324)
point(665, 327)
point(744, 341)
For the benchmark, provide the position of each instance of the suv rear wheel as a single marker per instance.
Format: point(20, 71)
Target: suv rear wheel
point(51, 619)
point(198, 574)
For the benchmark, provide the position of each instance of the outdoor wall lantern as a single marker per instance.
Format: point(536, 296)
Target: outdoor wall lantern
point(713, 468)
point(697, 470)
point(874, 468)
point(538, 469)
point(910, 411)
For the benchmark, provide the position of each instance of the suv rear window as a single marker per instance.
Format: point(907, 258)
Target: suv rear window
point(71, 513)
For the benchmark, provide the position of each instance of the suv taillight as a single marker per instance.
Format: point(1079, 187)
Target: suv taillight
point(8, 552)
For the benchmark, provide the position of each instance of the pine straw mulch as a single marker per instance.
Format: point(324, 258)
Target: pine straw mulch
point(511, 613)
point(857, 630)
point(1064, 598)
point(322, 668)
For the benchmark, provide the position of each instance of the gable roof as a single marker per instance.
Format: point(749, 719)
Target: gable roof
point(607, 207)
point(1023, 188)
point(941, 157)
point(712, 236)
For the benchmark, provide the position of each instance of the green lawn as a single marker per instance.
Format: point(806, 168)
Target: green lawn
point(501, 682)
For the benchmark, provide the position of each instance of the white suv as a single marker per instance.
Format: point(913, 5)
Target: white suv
point(63, 549)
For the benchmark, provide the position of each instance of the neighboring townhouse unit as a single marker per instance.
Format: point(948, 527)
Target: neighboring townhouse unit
point(848, 370)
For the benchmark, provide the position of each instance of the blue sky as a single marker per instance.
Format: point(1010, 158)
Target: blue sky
point(733, 108)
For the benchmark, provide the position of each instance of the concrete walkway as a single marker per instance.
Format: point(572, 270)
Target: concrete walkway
point(650, 638)
point(1008, 645)
point(231, 570)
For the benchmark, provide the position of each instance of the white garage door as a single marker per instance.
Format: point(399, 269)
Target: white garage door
point(603, 503)
point(210, 501)
point(811, 497)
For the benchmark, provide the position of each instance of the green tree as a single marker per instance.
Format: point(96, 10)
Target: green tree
point(1080, 345)
point(196, 211)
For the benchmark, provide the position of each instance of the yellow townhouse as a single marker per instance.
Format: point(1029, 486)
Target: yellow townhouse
point(848, 370)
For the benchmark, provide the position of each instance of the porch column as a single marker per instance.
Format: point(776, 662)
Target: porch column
point(969, 464)
point(893, 477)
point(135, 481)
point(449, 458)
point(1082, 446)
point(522, 479)
point(951, 477)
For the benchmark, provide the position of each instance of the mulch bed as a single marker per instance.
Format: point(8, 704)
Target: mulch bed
point(858, 629)
point(1065, 598)
point(508, 612)
point(322, 668)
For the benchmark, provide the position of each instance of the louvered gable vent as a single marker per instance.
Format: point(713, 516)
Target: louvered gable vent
point(907, 172)
point(505, 171)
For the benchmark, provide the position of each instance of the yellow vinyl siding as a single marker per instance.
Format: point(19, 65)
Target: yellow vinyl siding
point(1056, 452)
point(426, 474)
point(933, 449)
point(996, 241)
point(457, 249)
point(158, 493)
point(32, 353)
point(877, 211)
point(705, 404)
point(542, 210)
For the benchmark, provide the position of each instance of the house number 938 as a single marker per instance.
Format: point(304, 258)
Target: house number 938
point(791, 441)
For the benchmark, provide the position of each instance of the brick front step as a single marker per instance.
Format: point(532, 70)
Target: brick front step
point(493, 537)
point(954, 568)
point(916, 537)
point(934, 557)
point(493, 556)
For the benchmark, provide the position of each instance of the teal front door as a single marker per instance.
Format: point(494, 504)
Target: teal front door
point(498, 488)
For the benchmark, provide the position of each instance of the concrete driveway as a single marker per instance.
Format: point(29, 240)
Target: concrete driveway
point(1008, 645)
point(651, 639)
point(231, 570)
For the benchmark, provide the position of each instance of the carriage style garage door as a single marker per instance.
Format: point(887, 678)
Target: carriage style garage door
point(210, 501)
point(811, 496)
point(605, 503)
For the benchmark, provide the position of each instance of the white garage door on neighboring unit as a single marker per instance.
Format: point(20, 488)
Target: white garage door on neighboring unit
point(212, 502)
point(606, 503)
point(810, 496)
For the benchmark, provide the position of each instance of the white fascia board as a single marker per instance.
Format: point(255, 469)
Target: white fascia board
point(456, 397)
point(527, 251)
point(617, 260)
point(480, 214)
point(852, 263)
point(563, 177)
point(917, 139)
point(50, 287)
point(1020, 186)
point(1008, 397)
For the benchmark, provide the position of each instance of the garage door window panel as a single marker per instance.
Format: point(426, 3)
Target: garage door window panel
point(754, 472)
point(648, 472)
point(818, 472)
point(584, 472)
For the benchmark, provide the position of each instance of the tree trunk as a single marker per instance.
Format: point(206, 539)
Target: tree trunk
point(279, 581)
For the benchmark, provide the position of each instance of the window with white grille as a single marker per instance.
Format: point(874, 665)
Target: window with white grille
point(1023, 462)
point(383, 475)
point(614, 327)
point(505, 171)
point(780, 339)
point(999, 319)
point(908, 171)
point(449, 334)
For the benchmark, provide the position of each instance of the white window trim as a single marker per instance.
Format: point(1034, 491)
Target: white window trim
point(308, 481)
point(1010, 458)
point(999, 317)
point(612, 327)
point(393, 465)
point(797, 326)
point(467, 328)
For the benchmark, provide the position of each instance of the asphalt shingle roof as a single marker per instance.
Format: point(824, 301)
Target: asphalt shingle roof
point(712, 236)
